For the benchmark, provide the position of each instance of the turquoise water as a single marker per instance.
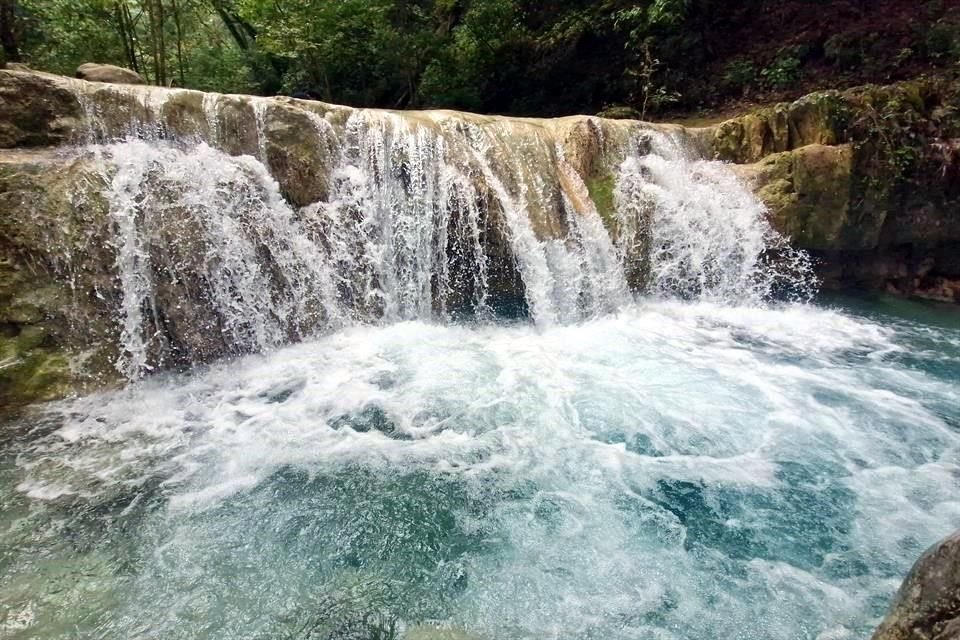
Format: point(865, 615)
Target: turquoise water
point(677, 470)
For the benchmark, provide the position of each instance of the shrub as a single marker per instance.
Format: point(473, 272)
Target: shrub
point(782, 73)
point(739, 76)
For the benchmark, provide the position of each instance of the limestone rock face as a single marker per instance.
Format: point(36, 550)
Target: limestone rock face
point(809, 195)
point(94, 72)
point(819, 118)
point(927, 607)
point(35, 110)
point(55, 285)
point(867, 179)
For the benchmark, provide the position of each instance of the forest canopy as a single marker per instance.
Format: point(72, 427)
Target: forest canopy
point(509, 56)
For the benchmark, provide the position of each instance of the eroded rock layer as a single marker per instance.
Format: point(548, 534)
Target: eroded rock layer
point(147, 228)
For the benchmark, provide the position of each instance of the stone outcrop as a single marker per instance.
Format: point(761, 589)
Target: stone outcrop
point(868, 180)
point(927, 607)
point(94, 72)
point(35, 111)
point(55, 326)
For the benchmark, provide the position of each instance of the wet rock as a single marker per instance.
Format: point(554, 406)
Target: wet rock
point(927, 607)
point(94, 72)
point(55, 282)
point(300, 152)
point(808, 194)
point(35, 110)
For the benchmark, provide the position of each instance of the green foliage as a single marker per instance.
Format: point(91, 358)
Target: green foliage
point(943, 39)
point(461, 74)
point(516, 56)
point(739, 76)
point(892, 129)
point(59, 35)
point(783, 72)
point(844, 50)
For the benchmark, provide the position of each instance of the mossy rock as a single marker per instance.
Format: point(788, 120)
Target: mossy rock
point(819, 118)
point(56, 332)
point(32, 368)
point(35, 110)
point(601, 190)
point(808, 193)
point(620, 113)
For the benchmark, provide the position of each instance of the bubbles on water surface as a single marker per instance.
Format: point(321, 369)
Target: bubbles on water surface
point(665, 472)
point(619, 467)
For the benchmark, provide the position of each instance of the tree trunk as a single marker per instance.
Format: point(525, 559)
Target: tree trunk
point(157, 44)
point(127, 34)
point(8, 30)
point(178, 22)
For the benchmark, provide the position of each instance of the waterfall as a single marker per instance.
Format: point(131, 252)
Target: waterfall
point(431, 216)
point(206, 241)
point(400, 219)
point(699, 229)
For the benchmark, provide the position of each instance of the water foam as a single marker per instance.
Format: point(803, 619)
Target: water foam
point(699, 229)
point(674, 470)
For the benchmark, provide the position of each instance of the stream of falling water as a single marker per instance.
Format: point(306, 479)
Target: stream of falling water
point(648, 445)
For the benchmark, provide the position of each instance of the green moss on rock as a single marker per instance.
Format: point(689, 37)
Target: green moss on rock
point(601, 190)
point(30, 370)
point(55, 277)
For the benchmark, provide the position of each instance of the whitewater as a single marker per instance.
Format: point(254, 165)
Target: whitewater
point(666, 435)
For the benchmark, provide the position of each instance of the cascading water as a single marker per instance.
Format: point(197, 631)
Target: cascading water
point(401, 218)
point(408, 231)
point(700, 231)
point(211, 235)
point(662, 451)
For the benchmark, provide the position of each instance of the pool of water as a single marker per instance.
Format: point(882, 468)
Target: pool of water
point(674, 471)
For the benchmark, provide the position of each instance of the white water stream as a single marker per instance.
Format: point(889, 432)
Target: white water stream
point(393, 436)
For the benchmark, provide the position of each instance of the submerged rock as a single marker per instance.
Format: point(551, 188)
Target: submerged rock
point(432, 632)
point(94, 72)
point(927, 607)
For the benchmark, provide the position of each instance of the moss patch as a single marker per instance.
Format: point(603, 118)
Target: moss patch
point(30, 371)
point(601, 192)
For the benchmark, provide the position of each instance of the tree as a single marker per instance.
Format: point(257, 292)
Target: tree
point(9, 36)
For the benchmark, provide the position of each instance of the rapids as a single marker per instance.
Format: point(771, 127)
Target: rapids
point(674, 470)
point(457, 390)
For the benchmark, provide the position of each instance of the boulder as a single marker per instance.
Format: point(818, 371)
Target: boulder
point(300, 152)
point(35, 110)
point(808, 194)
point(927, 607)
point(94, 72)
point(56, 288)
